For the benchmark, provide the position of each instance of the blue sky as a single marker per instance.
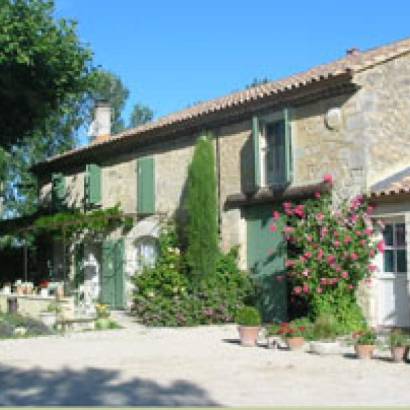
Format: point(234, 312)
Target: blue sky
point(173, 53)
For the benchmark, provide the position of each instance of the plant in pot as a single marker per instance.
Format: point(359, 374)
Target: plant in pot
point(294, 333)
point(325, 331)
point(49, 317)
point(398, 345)
point(365, 343)
point(249, 325)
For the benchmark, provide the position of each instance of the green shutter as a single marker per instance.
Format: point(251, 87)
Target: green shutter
point(146, 186)
point(256, 153)
point(93, 184)
point(288, 146)
point(59, 191)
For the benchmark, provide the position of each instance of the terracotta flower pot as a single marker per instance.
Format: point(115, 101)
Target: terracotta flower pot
point(398, 353)
point(248, 335)
point(296, 342)
point(364, 351)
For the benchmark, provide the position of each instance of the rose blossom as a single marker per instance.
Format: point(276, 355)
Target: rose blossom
point(288, 229)
point(328, 179)
point(317, 195)
point(276, 215)
point(354, 256)
point(380, 246)
point(290, 263)
point(345, 275)
point(297, 290)
point(372, 268)
point(305, 288)
point(320, 217)
point(348, 240)
point(336, 244)
point(273, 228)
point(319, 290)
point(331, 259)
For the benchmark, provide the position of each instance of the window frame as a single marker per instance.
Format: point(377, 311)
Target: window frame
point(264, 122)
point(394, 247)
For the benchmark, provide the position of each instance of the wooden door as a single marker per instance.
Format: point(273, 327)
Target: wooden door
point(266, 260)
point(112, 274)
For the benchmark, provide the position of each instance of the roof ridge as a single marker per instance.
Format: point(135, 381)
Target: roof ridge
point(343, 65)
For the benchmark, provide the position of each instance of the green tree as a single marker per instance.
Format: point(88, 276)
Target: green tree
point(41, 62)
point(140, 115)
point(202, 228)
point(108, 86)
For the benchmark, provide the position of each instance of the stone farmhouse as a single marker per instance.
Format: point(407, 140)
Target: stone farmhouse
point(273, 142)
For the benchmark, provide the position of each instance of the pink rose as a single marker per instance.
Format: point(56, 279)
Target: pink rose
point(288, 229)
point(308, 255)
point(309, 238)
point(306, 288)
point(317, 195)
point(320, 217)
point(290, 263)
point(345, 275)
point(299, 211)
point(276, 215)
point(372, 253)
point(381, 246)
point(320, 254)
point(328, 179)
point(354, 256)
point(331, 259)
point(351, 287)
point(287, 205)
point(297, 290)
point(323, 232)
point(336, 244)
point(305, 272)
point(273, 228)
point(363, 242)
point(368, 231)
point(319, 290)
point(348, 240)
point(372, 268)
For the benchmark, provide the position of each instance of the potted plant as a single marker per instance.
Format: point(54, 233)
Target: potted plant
point(249, 320)
point(398, 344)
point(324, 334)
point(49, 317)
point(293, 333)
point(103, 314)
point(44, 288)
point(365, 343)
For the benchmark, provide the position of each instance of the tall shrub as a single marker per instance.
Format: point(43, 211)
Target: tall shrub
point(202, 229)
point(329, 253)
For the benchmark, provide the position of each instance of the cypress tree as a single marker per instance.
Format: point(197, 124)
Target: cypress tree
point(202, 228)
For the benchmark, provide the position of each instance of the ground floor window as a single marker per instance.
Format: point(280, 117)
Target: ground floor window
point(146, 252)
point(394, 258)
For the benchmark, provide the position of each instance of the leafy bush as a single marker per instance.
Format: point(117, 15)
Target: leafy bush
point(9, 322)
point(398, 339)
point(325, 328)
point(365, 337)
point(103, 323)
point(248, 316)
point(164, 296)
point(330, 252)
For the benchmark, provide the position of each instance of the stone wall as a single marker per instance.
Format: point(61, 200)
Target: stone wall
point(384, 102)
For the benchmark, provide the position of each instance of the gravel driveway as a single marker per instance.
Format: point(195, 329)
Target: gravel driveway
point(193, 367)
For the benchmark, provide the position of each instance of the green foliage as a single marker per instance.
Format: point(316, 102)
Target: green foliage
point(330, 252)
point(325, 327)
point(202, 229)
point(103, 323)
point(165, 295)
point(366, 337)
point(41, 62)
point(9, 322)
point(248, 316)
point(140, 114)
point(398, 339)
point(74, 223)
point(54, 307)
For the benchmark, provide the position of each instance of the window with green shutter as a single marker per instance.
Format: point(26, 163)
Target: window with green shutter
point(272, 144)
point(93, 185)
point(146, 186)
point(58, 191)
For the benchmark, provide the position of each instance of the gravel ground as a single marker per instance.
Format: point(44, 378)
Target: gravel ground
point(201, 366)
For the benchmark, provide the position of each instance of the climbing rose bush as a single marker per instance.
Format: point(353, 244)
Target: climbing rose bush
point(329, 253)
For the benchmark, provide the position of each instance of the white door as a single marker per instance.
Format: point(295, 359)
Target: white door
point(393, 294)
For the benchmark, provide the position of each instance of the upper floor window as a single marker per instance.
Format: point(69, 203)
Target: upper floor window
point(272, 150)
point(394, 257)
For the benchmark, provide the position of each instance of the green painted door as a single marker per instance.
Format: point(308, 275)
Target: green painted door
point(266, 260)
point(112, 275)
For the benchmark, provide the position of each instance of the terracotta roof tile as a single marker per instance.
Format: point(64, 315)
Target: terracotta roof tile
point(395, 184)
point(348, 64)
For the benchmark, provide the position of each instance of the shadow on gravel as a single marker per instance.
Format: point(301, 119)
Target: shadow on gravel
point(93, 387)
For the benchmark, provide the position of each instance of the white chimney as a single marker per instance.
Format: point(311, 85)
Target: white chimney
point(101, 125)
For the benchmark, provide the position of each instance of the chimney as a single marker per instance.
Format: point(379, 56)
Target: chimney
point(101, 125)
point(353, 52)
